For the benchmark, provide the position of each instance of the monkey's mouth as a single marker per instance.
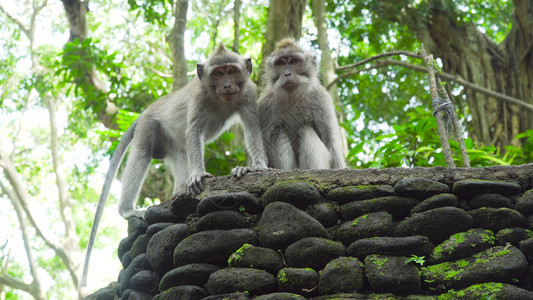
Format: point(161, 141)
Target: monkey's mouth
point(228, 96)
point(290, 85)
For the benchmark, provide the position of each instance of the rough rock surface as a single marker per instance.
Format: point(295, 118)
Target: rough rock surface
point(337, 234)
point(161, 247)
point(212, 247)
point(392, 274)
point(231, 280)
point(437, 224)
point(283, 224)
point(320, 249)
point(342, 275)
point(499, 264)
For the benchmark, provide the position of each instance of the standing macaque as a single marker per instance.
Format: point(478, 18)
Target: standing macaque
point(176, 127)
point(297, 115)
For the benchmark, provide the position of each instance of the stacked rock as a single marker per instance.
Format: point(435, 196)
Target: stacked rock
point(300, 240)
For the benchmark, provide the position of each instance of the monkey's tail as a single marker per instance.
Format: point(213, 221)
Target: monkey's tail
point(114, 164)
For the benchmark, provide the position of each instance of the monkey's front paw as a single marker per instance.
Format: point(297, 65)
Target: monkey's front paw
point(240, 171)
point(194, 183)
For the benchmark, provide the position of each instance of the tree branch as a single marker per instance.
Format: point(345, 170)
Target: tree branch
point(17, 21)
point(391, 53)
point(159, 73)
point(13, 177)
point(36, 290)
point(443, 75)
point(441, 126)
point(16, 284)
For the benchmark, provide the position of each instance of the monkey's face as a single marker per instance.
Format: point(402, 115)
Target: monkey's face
point(290, 72)
point(227, 80)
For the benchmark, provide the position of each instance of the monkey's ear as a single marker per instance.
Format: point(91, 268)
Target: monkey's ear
point(313, 59)
point(248, 62)
point(200, 70)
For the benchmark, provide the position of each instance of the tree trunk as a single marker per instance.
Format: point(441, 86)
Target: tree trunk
point(176, 40)
point(284, 20)
point(216, 24)
point(76, 11)
point(70, 243)
point(236, 28)
point(506, 67)
point(327, 64)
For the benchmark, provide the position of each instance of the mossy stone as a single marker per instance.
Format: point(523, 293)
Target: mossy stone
point(496, 218)
point(489, 290)
point(282, 224)
point(220, 220)
point(345, 194)
point(341, 275)
point(463, 244)
point(182, 292)
point(191, 274)
point(436, 201)
point(419, 188)
point(500, 264)
point(401, 246)
point(298, 193)
point(249, 256)
point(437, 224)
point(228, 201)
point(313, 252)
point(301, 281)
point(525, 203)
point(472, 187)
point(392, 274)
point(398, 207)
point(230, 280)
point(513, 236)
point(280, 296)
point(365, 226)
point(212, 247)
point(490, 200)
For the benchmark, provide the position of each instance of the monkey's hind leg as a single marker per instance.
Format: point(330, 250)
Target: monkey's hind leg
point(313, 153)
point(177, 161)
point(132, 181)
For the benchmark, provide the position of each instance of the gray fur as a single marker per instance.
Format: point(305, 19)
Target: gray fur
point(298, 123)
point(175, 128)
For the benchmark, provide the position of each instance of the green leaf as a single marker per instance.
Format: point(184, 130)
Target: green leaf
point(495, 159)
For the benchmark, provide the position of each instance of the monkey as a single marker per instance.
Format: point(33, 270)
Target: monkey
point(296, 114)
point(176, 127)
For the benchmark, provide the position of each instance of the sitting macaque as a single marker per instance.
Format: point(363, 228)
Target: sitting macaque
point(296, 114)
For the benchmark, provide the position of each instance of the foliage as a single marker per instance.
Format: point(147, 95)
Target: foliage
point(416, 144)
point(154, 11)
point(377, 97)
point(416, 259)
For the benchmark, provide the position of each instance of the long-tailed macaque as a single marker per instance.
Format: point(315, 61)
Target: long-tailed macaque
point(176, 127)
point(297, 115)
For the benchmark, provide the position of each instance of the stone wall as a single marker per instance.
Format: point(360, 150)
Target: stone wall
point(346, 234)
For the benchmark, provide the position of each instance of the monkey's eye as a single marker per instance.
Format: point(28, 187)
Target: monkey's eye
point(232, 72)
point(279, 62)
point(294, 61)
point(218, 73)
